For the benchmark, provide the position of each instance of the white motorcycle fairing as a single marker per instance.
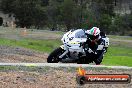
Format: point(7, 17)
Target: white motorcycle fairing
point(72, 41)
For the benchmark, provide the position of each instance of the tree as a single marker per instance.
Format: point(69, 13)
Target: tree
point(103, 11)
point(70, 13)
point(6, 6)
point(53, 13)
point(104, 22)
point(29, 12)
point(122, 24)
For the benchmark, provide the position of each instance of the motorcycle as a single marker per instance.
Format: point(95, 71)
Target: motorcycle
point(72, 50)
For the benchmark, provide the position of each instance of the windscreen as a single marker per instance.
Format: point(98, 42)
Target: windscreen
point(80, 34)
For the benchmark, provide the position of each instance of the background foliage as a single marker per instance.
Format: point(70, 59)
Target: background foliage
point(68, 14)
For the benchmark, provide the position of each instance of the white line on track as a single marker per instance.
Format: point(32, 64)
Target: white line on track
point(63, 65)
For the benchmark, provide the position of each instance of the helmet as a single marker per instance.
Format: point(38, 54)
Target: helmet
point(94, 33)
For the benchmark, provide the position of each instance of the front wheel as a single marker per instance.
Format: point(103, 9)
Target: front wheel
point(54, 56)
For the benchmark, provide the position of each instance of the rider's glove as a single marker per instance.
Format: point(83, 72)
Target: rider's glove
point(95, 52)
point(90, 51)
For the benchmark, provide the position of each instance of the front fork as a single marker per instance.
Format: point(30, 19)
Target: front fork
point(61, 56)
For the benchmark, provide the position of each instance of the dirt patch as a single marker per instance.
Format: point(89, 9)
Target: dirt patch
point(121, 42)
point(54, 78)
point(17, 54)
point(43, 35)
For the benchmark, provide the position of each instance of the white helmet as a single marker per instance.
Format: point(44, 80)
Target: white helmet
point(94, 31)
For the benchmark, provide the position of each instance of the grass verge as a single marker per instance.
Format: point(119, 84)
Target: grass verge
point(39, 45)
point(116, 55)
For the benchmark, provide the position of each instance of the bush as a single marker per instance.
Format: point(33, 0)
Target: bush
point(104, 22)
point(121, 24)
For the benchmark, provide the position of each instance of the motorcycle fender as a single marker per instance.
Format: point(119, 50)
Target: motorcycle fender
point(62, 46)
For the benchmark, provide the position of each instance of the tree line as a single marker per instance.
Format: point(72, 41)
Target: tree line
point(68, 14)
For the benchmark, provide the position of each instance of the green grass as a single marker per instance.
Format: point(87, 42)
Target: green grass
point(39, 45)
point(118, 56)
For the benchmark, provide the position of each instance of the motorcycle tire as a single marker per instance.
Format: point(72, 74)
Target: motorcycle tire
point(54, 56)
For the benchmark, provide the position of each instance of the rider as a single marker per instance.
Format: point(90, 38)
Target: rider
point(94, 45)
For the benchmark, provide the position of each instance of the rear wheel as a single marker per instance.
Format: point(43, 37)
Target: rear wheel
point(54, 56)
